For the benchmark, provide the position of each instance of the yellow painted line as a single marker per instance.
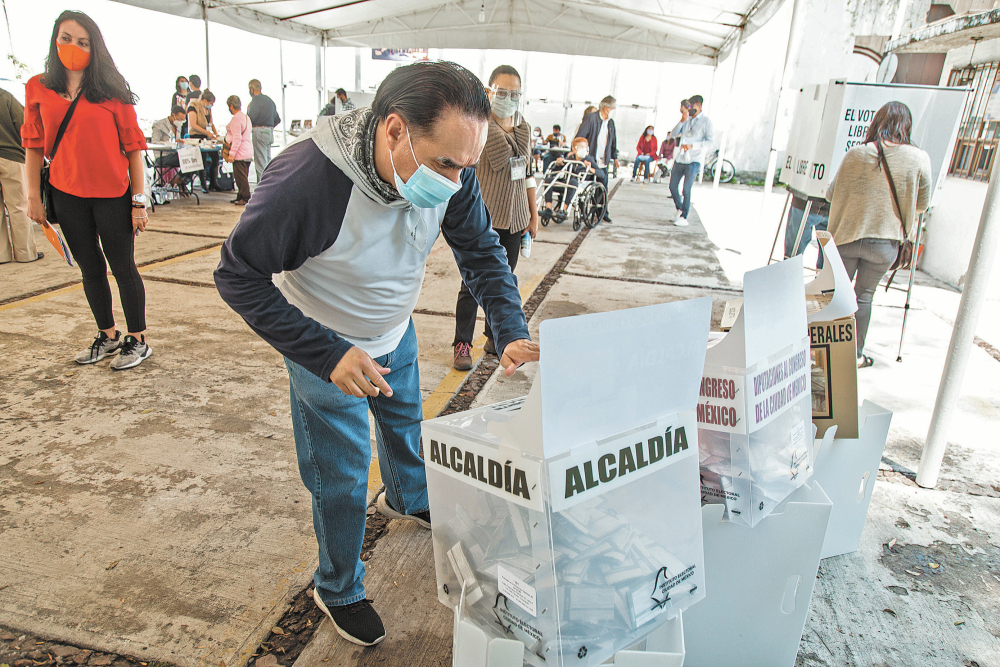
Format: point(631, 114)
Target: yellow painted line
point(175, 260)
point(454, 379)
point(42, 297)
point(72, 288)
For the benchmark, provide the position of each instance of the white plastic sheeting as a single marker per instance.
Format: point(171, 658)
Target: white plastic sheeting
point(684, 31)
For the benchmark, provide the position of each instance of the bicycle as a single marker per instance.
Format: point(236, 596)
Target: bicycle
point(728, 170)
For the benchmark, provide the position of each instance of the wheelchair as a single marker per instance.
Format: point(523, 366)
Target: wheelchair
point(588, 204)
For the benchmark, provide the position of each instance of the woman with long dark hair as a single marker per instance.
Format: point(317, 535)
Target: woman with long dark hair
point(878, 192)
point(645, 153)
point(179, 98)
point(97, 177)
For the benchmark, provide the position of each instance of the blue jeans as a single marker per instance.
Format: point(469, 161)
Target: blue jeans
point(815, 220)
point(644, 160)
point(688, 172)
point(332, 441)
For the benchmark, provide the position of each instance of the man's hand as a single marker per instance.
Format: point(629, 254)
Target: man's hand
point(533, 225)
point(517, 353)
point(686, 147)
point(358, 375)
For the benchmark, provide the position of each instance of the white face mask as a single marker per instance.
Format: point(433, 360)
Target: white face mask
point(611, 114)
point(581, 152)
point(503, 108)
point(178, 124)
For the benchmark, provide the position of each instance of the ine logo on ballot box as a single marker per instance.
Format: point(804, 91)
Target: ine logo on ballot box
point(569, 521)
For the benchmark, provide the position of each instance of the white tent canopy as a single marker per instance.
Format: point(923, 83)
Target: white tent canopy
point(683, 31)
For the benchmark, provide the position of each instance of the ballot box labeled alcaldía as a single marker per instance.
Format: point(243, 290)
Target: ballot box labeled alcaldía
point(570, 520)
point(754, 411)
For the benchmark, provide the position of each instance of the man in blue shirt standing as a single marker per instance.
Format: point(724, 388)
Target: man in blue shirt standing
point(263, 115)
point(326, 265)
point(695, 137)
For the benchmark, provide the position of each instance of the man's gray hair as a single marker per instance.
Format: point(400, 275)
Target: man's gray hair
point(608, 102)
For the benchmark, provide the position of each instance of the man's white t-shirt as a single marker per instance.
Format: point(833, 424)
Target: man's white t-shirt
point(602, 144)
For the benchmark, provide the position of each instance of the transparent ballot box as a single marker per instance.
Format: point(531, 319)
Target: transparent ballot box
point(578, 547)
point(755, 433)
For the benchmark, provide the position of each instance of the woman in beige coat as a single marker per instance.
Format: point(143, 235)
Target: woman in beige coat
point(866, 222)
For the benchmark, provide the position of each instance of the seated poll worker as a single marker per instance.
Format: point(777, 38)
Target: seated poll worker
point(343, 221)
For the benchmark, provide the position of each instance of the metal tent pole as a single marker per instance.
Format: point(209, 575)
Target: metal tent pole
point(284, 116)
point(781, 221)
point(729, 106)
point(909, 286)
point(319, 77)
point(794, 37)
point(208, 66)
point(973, 294)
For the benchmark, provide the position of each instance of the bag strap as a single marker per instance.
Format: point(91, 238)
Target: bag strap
point(892, 186)
point(65, 123)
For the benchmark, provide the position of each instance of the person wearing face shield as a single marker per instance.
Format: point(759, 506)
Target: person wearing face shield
point(508, 191)
point(326, 265)
point(598, 128)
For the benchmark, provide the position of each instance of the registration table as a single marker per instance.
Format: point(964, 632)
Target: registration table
point(167, 161)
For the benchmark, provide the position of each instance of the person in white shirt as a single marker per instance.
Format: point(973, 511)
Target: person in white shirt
point(695, 137)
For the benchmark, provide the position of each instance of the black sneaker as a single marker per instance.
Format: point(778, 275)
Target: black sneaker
point(100, 348)
point(489, 347)
point(358, 623)
point(422, 518)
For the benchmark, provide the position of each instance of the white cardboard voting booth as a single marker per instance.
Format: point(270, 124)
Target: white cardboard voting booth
point(832, 118)
point(754, 407)
point(760, 581)
point(830, 308)
point(847, 469)
point(569, 522)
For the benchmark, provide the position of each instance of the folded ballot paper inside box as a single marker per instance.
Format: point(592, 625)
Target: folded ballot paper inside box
point(570, 520)
point(830, 308)
point(755, 439)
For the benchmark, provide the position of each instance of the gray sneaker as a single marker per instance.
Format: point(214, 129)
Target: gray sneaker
point(133, 353)
point(100, 348)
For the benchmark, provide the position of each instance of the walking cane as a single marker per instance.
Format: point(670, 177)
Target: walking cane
point(909, 287)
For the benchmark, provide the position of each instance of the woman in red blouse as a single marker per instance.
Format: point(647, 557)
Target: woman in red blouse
point(645, 153)
point(97, 177)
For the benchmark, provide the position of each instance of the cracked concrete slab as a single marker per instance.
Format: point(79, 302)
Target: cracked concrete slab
point(156, 512)
point(442, 280)
point(923, 588)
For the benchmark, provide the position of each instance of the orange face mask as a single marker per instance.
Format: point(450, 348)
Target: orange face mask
point(72, 57)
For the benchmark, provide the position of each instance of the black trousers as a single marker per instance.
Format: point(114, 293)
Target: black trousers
point(98, 229)
point(467, 308)
point(241, 174)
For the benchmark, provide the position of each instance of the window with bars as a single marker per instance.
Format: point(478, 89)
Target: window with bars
point(979, 132)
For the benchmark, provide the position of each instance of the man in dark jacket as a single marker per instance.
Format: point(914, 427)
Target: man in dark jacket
point(345, 218)
point(598, 128)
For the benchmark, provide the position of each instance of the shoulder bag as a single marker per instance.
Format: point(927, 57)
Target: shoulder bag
point(904, 256)
point(50, 208)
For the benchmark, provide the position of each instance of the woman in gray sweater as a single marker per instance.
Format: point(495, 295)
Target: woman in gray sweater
point(864, 219)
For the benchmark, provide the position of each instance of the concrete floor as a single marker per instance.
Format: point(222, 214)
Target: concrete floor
point(158, 512)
